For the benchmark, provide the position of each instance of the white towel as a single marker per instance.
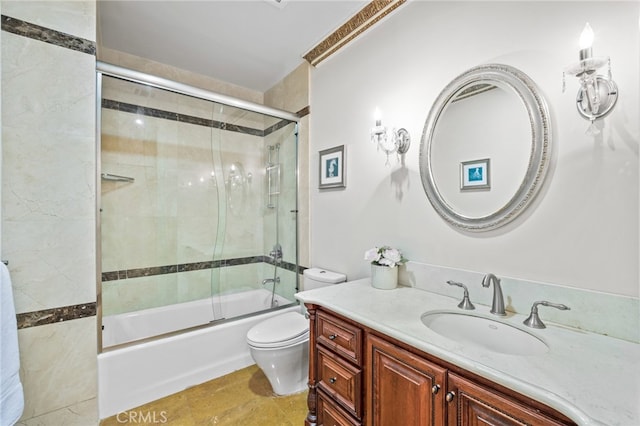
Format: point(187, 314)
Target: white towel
point(11, 395)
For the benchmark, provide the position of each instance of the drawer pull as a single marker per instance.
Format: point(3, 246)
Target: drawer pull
point(435, 389)
point(450, 396)
point(332, 337)
point(332, 380)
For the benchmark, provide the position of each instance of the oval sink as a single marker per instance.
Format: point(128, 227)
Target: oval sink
point(483, 332)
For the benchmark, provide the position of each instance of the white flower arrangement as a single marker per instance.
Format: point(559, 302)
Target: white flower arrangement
point(384, 256)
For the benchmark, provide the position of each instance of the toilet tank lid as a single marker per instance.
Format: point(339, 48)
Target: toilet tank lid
point(323, 275)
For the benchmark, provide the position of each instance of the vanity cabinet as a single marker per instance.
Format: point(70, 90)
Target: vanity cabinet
point(337, 369)
point(400, 385)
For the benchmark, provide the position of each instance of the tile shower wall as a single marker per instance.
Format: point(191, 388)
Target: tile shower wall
point(48, 194)
point(198, 190)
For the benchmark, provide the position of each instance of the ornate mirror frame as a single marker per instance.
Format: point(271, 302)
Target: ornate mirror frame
point(540, 150)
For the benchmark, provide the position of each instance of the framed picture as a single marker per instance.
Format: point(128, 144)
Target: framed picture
point(332, 168)
point(475, 175)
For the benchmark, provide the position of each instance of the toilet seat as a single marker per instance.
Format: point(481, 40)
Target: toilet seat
point(279, 331)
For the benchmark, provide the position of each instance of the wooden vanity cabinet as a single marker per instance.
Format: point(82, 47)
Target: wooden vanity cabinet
point(402, 388)
point(400, 385)
point(336, 370)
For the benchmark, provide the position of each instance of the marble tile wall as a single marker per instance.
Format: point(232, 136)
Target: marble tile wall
point(48, 196)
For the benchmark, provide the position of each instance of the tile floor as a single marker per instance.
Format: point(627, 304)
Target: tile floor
point(242, 398)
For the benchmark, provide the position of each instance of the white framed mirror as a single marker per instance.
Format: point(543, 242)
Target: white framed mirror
point(485, 147)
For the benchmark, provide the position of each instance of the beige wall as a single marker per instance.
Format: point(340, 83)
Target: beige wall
point(48, 198)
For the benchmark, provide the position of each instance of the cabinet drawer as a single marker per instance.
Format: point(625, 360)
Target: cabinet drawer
point(329, 414)
point(340, 336)
point(340, 380)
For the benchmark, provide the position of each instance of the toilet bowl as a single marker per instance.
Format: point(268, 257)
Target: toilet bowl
point(280, 344)
point(280, 347)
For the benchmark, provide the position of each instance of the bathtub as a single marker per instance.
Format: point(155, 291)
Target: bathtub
point(140, 373)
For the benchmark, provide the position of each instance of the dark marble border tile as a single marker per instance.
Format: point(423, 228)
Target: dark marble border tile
point(183, 118)
point(53, 315)
point(47, 35)
point(196, 266)
point(67, 313)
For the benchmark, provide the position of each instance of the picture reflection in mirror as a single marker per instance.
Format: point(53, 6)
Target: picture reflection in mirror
point(483, 120)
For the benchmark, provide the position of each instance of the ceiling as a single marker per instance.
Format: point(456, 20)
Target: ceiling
point(250, 43)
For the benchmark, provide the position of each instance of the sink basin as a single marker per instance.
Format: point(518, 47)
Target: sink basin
point(483, 332)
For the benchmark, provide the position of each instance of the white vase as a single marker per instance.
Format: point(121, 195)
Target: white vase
point(384, 277)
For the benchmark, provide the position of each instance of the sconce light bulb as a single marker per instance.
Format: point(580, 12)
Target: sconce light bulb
point(377, 116)
point(586, 38)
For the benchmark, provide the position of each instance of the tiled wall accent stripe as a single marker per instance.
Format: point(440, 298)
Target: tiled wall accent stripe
point(47, 35)
point(195, 266)
point(304, 111)
point(53, 315)
point(183, 118)
point(190, 119)
point(67, 313)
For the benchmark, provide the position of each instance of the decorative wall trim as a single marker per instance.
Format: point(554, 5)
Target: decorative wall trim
point(47, 35)
point(359, 23)
point(53, 315)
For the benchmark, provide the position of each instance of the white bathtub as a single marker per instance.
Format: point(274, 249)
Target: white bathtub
point(141, 373)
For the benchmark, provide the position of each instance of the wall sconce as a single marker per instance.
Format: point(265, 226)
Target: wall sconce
point(597, 94)
point(389, 140)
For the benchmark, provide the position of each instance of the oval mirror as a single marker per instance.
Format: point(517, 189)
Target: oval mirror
point(485, 147)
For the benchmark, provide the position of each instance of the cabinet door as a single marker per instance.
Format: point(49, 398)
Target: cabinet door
point(473, 404)
point(402, 388)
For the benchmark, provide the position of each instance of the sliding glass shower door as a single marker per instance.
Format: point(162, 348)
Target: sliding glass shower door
point(188, 209)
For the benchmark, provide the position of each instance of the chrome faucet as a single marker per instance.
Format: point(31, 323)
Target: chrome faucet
point(276, 252)
point(497, 306)
point(534, 320)
point(275, 280)
point(465, 303)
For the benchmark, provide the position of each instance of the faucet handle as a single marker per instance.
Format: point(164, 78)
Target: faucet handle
point(534, 320)
point(465, 303)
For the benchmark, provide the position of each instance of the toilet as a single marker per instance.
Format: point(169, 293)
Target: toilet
point(280, 344)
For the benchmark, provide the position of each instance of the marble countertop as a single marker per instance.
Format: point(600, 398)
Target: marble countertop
point(590, 378)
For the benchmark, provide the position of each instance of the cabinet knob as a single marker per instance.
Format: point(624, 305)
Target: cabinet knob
point(449, 397)
point(332, 380)
point(435, 389)
point(332, 337)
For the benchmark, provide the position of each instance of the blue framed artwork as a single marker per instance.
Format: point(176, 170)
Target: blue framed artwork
point(475, 175)
point(332, 168)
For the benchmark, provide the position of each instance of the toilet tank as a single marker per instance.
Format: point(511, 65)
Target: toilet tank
point(317, 278)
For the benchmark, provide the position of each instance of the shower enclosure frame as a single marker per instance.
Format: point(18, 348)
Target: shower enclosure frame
point(110, 70)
